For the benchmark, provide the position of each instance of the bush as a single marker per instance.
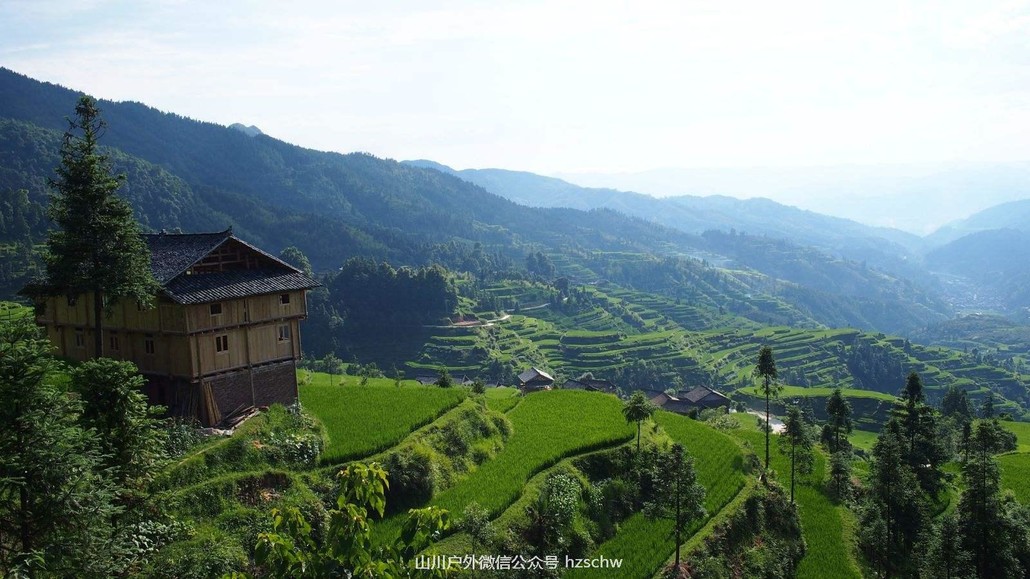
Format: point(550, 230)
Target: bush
point(413, 477)
point(182, 435)
point(209, 553)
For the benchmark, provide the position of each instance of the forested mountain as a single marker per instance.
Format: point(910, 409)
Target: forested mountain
point(879, 246)
point(200, 176)
point(1012, 215)
point(996, 260)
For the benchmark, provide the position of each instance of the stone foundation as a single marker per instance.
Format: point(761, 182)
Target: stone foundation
point(260, 386)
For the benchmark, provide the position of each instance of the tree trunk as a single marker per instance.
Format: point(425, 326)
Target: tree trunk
point(792, 457)
point(679, 502)
point(638, 436)
point(768, 427)
point(98, 324)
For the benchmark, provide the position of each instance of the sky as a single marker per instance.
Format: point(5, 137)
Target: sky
point(563, 87)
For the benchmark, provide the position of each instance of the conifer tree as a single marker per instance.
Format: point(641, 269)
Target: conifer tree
point(838, 422)
point(683, 499)
point(55, 504)
point(96, 247)
point(796, 443)
point(766, 369)
point(922, 449)
point(895, 510)
point(985, 530)
point(638, 409)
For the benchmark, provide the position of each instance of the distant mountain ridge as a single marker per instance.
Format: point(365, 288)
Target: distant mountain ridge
point(335, 206)
point(1011, 215)
point(759, 216)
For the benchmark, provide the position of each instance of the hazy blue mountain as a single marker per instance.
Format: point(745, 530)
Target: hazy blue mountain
point(997, 261)
point(203, 176)
point(916, 197)
point(250, 131)
point(887, 248)
point(1011, 215)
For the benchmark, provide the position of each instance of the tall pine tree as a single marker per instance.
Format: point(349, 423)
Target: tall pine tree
point(96, 247)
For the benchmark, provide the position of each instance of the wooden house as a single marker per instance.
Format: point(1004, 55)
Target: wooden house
point(591, 385)
point(684, 401)
point(533, 380)
point(224, 334)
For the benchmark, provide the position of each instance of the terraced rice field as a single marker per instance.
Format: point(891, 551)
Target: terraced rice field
point(347, 412)
point(822, 521)
point(1015, 474)
point(548, 426)
point(644, 545)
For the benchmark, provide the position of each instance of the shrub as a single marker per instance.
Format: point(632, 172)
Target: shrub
point(413, 477)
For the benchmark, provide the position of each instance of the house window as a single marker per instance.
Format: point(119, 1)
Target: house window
point(148, 344)
point(284, 333)
point(284, 299)
point(222, 343)
point(112, 342)
point(80, 339)
point(216, 309)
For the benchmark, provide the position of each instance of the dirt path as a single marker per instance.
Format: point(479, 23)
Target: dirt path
point(775, 423)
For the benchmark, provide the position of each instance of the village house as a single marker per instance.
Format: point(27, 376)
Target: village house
point(590, 385)
point(684, 401)
point(223, 336)
point(533, 380)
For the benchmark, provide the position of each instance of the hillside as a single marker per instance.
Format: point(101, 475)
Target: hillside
point(993, 260)
point(199, 176)
point(1011, 215)
point(693, 214)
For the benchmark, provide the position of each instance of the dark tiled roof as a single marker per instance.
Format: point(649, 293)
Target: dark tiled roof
point(533, 374)
point(223, 285)
point(172, 253)
point(696, 394)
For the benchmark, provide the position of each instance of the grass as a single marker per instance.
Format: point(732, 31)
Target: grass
point(363, 420)
point(863, 439)
point(502, 398)
point(1015, 474)
point(1022, 432)
point(547, 427)
point(823, 522)
point(789, 392)
point(643, 544)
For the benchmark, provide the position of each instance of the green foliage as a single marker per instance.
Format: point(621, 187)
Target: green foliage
point(640, 542)
point(840, 474)
point(766, 370)
point(683, 500)
point(541, 435)
point(297, 259)
point(97, 245)
point(762, 537)
point(445, 380)
point(56, 504)
point(895, 512)
point(989, 534)
point(638, 409)
point(115, 408)
point(551, 517)
point(395, 412)
point(838, 422)
point(796, 442)
point(476, 522)
point(291, 550)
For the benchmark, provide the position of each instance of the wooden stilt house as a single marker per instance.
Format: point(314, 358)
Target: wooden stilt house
point(224, 334)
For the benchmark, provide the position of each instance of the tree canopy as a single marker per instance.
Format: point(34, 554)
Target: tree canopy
point(96, 246)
